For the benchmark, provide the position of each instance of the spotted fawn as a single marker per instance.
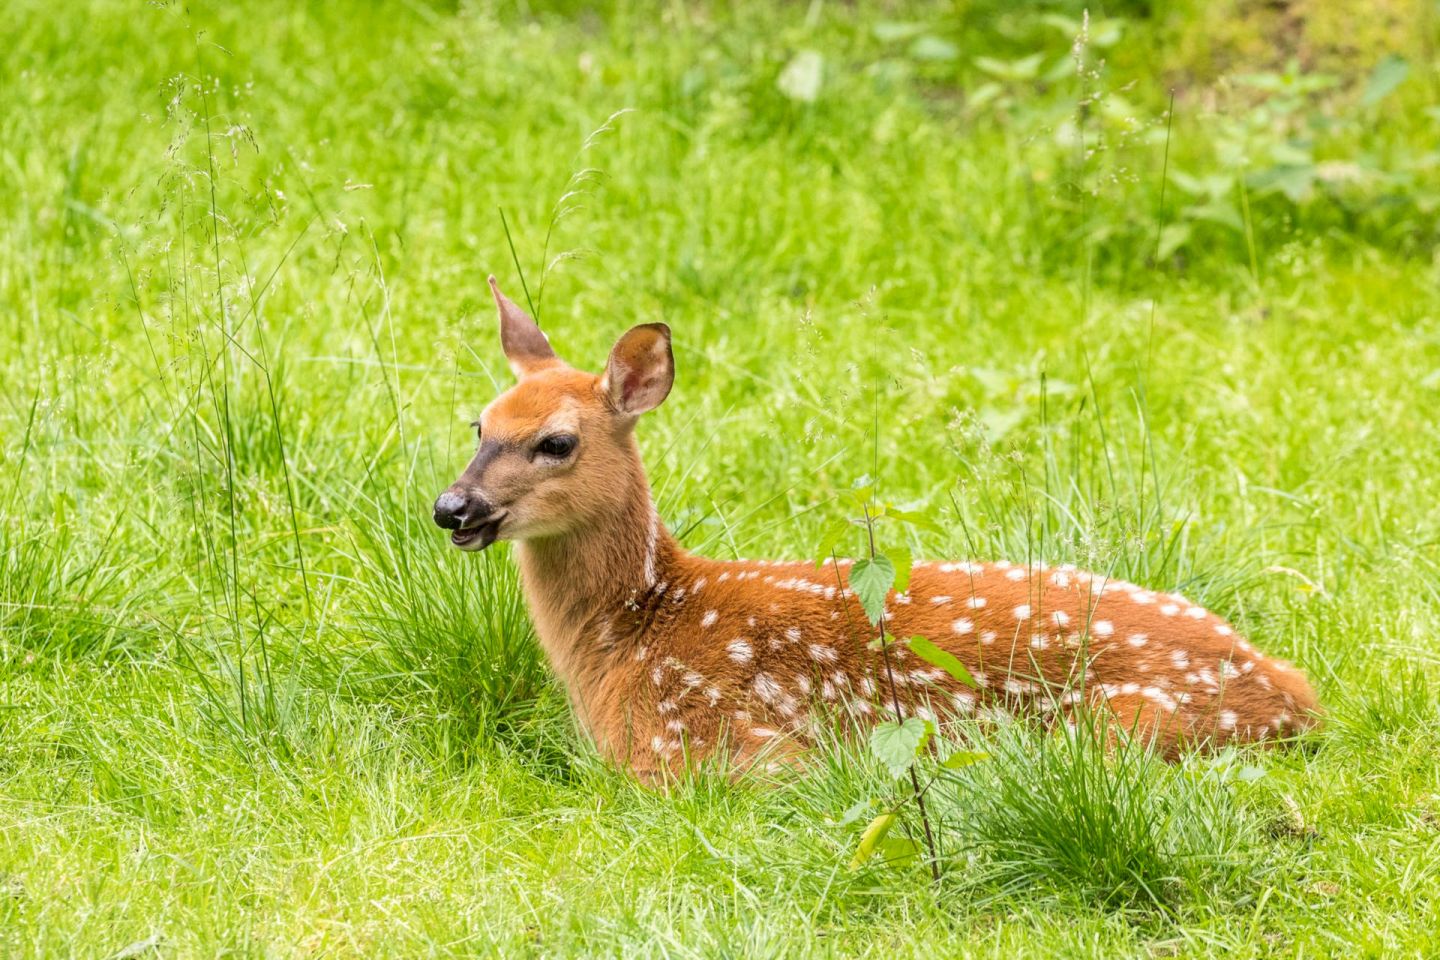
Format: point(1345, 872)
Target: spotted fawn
point(669, 657)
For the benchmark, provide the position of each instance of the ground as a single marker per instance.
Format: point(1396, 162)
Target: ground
point(1149, 290)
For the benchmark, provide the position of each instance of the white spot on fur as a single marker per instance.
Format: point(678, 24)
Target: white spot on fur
point(1137, 639)
point(1228, 719)
point(963, 626)
point(710, 617)
point(976, 602)
point(1170, 609)
point(973, 569)
point(821, 653)
point(1196, 613)
point(1158, 696)
point(1180, 658)
point(1060, 617)
point(1102, 628)
point(766, 688)
point(740, 650)
point(941, 599)
point(801, 584)
point(793, 634)
point(1022, 612)
point(762, 733)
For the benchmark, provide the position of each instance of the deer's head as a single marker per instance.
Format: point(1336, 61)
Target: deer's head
point(556, 449)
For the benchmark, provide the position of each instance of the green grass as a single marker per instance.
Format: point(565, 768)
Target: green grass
point(250, 704)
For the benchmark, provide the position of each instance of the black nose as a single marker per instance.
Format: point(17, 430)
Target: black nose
point(454, 511)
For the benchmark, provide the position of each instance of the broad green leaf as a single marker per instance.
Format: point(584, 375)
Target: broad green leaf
point(800, 80)
point(831, 540)
point(855, 812)
point(871, 579)
point(1217, 211)
point(903, 560)
point(931, 47)
point(964, 758)
point(888, 30)
point(1191, 185)
point(1172, 237)
point(1387, 75)
point(896, 744)
point(873, 834)
point(926, 650)
point(1068, 26)
point(1100, 33)
point(1026, 68)
point(1061, 68)
point(1249, 773)
point(1296, 182)
point(915, 519)
point(983, 94)
point(897, 851)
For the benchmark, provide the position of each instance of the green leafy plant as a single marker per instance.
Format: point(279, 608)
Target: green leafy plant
point(901, 743)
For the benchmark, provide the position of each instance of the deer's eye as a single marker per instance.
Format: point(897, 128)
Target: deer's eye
point(558, 446)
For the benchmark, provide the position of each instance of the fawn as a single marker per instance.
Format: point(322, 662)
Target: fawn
point(668, 657)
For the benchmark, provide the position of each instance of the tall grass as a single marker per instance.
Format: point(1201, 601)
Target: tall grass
point(445, 637)
point(1081, 813)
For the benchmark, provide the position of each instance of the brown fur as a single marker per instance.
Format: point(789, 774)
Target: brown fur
point(670, 657)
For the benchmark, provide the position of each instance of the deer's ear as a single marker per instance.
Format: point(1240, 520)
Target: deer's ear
point(525, 346)
point(640, 370)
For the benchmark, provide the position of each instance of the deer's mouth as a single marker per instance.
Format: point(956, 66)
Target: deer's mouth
point(478, 537)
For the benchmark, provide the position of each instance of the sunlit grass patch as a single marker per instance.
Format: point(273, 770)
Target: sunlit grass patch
point(1092, 814)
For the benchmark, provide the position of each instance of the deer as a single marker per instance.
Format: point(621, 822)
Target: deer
point(670, 659)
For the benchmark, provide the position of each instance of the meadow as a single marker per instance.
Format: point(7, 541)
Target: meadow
point(1153, 288)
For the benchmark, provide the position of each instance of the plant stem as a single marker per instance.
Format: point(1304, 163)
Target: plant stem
point(915, 790)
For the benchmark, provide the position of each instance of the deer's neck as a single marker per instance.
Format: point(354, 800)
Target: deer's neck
point(581, 585)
